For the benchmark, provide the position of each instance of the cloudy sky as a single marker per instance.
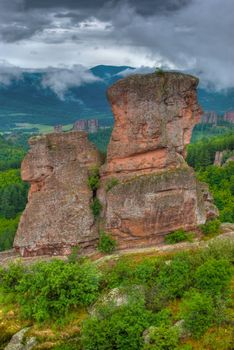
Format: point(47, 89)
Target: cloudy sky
point(194, 35)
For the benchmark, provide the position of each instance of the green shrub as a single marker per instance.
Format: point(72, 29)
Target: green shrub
point(73, 257)
point(197, 311)
point(179, 236)
point(121, 274)
point(111, 183)
point(174, 278)
point(162, 338)
point(145, 272)
point(218, 250)
point(106, 243)
point(50, 290)
point(96, 207)
point(159, 71)
point(116, 328)
point(11, 276)
point(94, 179)
point(211, 227)
point(214, 276)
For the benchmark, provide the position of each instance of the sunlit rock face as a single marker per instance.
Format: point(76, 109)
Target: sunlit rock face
point(155, 191)
point(58, 214)
point(154, 117)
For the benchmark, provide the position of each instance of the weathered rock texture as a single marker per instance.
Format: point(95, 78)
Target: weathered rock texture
point(156, 192)
point(154, 117)
point(58, 214)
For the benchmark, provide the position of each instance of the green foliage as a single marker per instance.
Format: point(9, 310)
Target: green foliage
point(125, 274)
point(179, 236)
point(202, 153)
point(96, 207)
point(211, 227)
point(94, 179)
point(106, 243)
point(162, 338)
point(174, 278)
point(73, 257)
point(116, 328)
point(221, 184)
point(8, 229)
point(197, 311)
point(11, 277)
point(101, 139)
point(111, 183)
point(10, 155)
point(50, 290)
point(219, 250)
point(214, 276)
point(159, 71)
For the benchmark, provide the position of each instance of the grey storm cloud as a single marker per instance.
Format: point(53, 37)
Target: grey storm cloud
point(192, 35)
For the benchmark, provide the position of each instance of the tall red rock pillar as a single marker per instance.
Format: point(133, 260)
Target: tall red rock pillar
point(155, 191)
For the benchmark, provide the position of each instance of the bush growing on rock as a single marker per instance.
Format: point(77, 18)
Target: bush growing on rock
point(111, 183)
point(212, 226)
point(106, 244)
point(94, 179)
point(179, 236)
point(96, 208)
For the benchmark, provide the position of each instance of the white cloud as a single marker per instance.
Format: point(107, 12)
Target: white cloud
point(60, 80)
point(8, 72)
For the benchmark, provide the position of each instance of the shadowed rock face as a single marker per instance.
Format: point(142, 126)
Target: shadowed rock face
point(156, 192)
point(58, 214)
point(154, 117)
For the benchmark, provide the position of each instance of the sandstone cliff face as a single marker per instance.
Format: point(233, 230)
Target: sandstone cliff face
point(147, 189)
point(154, 117)
point(58, 214)
point(156, 192)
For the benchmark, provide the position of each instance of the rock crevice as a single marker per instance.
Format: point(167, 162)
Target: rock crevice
point(154, 191)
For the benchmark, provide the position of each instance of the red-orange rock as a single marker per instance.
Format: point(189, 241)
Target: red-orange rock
point(154, 117)
point(58, 214)
point(155, 191)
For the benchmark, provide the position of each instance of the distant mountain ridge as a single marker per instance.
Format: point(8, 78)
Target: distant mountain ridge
point(26, 101)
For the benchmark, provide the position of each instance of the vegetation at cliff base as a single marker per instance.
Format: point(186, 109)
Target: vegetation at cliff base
point(179, 301)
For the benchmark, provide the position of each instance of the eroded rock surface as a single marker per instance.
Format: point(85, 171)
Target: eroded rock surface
point(58, 214)
point(155, 191)
point(154, 117)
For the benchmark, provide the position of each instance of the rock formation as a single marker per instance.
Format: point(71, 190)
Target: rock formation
point(229, 117)
point(58, 214)
point(156, 192)
point(210, 118)
point(154, 117)
point(147, 189)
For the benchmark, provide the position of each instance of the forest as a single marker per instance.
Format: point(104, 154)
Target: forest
point(13, 192)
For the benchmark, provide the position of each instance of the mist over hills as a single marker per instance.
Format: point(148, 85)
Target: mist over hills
point(30, 100)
